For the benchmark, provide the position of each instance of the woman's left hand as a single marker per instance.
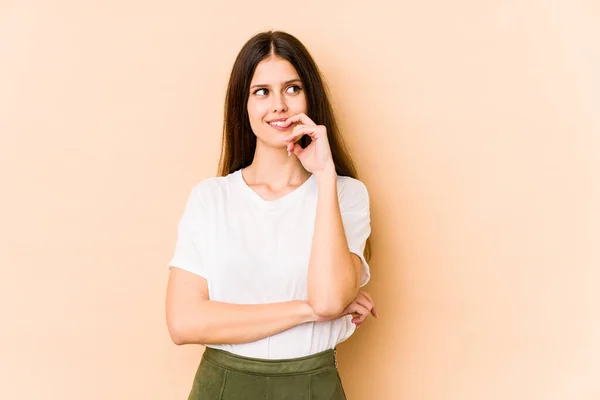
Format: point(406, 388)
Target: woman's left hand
point(360, 308)
point(316, 157)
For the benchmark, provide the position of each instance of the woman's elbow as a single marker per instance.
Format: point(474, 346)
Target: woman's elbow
point(327, 309)
point(176, 332)
point(182, 333)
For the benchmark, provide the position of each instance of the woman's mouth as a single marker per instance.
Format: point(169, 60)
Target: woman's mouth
point(279, 125)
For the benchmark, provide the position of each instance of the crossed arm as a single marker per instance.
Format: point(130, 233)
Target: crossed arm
point(333, 284)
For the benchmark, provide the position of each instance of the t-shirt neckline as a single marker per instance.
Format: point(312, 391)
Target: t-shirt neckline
point(286, 198)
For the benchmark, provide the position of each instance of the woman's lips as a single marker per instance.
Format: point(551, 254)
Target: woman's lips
point(280, 128)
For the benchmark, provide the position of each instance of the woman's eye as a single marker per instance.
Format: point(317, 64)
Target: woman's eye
point(265, 91)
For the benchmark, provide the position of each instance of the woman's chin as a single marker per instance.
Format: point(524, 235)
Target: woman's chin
point(273, 141)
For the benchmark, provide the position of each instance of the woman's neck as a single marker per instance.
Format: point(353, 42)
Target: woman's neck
point(273, 167)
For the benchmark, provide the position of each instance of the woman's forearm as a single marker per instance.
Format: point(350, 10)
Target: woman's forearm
point(212, 322)
point(333, 279)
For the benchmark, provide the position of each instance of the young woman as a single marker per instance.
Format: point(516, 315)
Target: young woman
point(271, 254)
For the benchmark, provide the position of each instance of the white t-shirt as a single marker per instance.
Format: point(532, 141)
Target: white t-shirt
point(256, 251)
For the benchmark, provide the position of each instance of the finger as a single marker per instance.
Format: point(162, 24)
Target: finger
point(297, 133)
point(300, 126)
point(364, 312)
point(367, 295)
point(293, 137)
point(365, 303)
point(297, 149)
point(357, 308)
point(290, 148)
point(300, 118)
point(373, 311)
point(307, 129)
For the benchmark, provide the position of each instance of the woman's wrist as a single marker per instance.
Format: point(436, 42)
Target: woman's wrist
point(327, 175)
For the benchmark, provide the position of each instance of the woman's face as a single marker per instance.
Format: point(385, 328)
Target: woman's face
point(276, 93)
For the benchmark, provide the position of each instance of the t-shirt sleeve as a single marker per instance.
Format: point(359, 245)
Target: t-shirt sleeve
point(188, 253)
point(356, 217)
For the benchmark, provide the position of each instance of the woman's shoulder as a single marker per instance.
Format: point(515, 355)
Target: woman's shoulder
point(213, 186)
point(351, 192)
point(347, 184)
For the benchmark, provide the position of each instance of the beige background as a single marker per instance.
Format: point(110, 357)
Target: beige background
point(474, 124)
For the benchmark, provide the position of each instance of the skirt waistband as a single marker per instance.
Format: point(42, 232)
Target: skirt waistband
point(291, 366)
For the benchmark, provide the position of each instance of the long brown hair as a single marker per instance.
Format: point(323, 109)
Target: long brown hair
point(239, 142)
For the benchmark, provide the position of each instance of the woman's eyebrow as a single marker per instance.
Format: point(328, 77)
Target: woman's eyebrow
point(285, 83)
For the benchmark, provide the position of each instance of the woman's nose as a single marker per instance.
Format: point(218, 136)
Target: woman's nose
point(278, 103)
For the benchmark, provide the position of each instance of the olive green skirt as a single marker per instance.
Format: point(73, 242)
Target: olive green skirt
point(227, 376)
